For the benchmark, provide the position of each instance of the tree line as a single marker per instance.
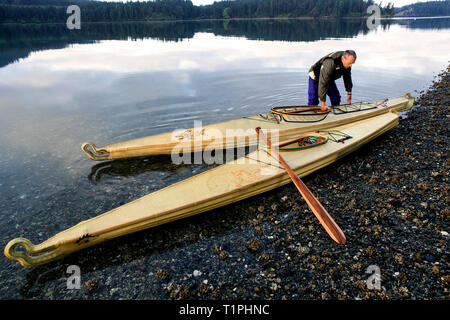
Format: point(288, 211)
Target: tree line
point(424, 9)
point(96, 11)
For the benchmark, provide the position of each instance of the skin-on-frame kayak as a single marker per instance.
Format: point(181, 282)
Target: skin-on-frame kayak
point(244, 177)
point(289, 121)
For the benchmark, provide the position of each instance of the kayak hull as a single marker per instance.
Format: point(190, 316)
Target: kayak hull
point(253, 174)
point(237, 133)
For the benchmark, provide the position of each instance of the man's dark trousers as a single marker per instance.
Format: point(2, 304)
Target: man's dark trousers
point(313, 94)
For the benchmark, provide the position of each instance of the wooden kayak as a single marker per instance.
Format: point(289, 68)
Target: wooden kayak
point(289, 121)
point(241, 178)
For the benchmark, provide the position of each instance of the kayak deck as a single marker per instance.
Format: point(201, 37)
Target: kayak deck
point(253, 174)
point(240, 132)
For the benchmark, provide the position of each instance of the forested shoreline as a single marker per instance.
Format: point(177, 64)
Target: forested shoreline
point(54, 11)
point(424, 9)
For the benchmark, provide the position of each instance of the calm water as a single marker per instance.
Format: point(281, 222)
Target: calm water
point(111, 82)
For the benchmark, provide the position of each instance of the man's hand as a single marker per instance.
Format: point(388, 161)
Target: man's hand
point(324, 107)
point(349, 97)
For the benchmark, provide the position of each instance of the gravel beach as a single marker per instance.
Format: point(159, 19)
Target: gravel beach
point(390, 198)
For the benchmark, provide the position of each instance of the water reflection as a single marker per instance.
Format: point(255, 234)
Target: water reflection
point(17, 40)
point(162, 164)
point(134, 167)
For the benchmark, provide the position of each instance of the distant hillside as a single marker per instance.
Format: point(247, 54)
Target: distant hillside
point(54, 11)
point(424, 9)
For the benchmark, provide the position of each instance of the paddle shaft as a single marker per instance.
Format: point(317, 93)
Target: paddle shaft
point(319, 211)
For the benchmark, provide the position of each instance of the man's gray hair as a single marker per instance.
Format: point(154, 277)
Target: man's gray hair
point(350, 53)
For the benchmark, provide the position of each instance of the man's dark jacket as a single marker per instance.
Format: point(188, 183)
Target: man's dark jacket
point(328, 69)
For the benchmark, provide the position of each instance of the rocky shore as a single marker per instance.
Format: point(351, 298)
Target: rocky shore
point(390, 198)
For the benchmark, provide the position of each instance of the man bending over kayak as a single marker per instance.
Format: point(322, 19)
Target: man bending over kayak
point(322, 76)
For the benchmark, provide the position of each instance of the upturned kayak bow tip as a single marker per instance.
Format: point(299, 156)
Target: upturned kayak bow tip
point(33, 255)
point(93, 153)
point(410, 102)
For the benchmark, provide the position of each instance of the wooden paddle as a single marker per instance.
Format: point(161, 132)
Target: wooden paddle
point(319, 211)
